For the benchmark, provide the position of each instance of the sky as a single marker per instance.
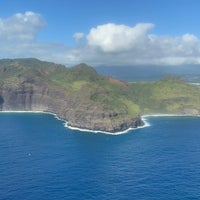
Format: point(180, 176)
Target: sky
point(102, 33)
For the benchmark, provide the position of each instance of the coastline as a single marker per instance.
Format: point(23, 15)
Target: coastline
point(144, 118)
point(146, 124)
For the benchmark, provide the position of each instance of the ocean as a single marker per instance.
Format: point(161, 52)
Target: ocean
point(41, 159)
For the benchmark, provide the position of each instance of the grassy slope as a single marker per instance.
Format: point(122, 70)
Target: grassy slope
point(169, 95)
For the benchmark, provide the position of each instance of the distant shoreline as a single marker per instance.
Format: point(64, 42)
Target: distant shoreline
point(143, 117)
point(170, 115)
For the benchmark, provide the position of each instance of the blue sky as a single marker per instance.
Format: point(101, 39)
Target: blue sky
point(122, 32)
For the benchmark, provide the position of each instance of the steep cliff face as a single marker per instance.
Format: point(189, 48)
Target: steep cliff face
point(86, 115)
point(26, 85)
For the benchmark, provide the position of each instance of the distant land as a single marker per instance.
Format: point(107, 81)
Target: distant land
point(189, 73)
point(88, 100)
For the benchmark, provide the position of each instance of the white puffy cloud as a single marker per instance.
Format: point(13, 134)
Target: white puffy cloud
point(21, 26)
point(113, 38)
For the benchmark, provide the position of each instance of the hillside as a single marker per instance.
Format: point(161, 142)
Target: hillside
point(78, 94)
point(89, 100)
point(169, 95)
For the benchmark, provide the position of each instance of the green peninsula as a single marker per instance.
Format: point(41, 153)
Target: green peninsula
point(89, 100)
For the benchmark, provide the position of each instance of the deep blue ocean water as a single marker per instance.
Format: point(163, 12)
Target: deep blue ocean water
point(40, 159)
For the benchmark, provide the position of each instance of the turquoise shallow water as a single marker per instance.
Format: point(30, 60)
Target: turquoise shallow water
point(41, 159)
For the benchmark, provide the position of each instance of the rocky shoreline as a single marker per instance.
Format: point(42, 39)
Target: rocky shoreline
point(115, 130)
point(83, 115)
point(124, 128)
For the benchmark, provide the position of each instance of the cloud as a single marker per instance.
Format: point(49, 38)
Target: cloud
point(21, 26)
point(113, 44)
point(78, 36)
point(114, 38)
point(106, 44)
point(126, 45)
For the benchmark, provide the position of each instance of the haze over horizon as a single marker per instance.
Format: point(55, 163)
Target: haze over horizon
point(122, 33)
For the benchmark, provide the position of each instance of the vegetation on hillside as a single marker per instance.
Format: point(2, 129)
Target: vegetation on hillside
point(169, 95)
